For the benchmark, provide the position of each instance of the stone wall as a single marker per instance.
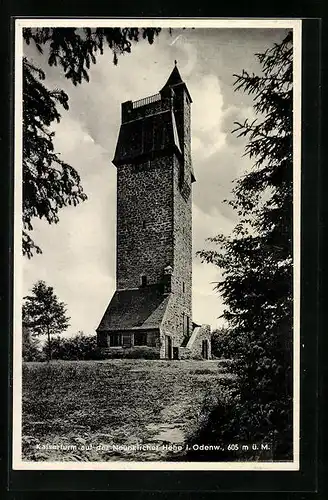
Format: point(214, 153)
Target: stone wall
point(179, 311)
point(204, 333)
point(196, 349)
point(144, 221)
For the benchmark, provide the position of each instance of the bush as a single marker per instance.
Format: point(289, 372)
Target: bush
point(79, 347)
point(253, 414)
point(141, 352)
point(136, 352)
point(84, 347)
point(234, 422)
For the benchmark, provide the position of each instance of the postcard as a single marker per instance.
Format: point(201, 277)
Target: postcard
point(157, 244)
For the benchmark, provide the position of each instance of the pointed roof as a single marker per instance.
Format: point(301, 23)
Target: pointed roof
point(175, 79)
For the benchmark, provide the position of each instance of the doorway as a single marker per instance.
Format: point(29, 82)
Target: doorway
point(205, 349)
point(168, 347)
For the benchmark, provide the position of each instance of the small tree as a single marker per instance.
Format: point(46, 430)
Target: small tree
point(44, 313)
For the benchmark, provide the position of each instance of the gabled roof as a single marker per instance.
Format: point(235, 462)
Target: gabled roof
point(141, 308)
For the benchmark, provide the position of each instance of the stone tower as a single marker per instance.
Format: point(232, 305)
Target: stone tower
point(152, 305)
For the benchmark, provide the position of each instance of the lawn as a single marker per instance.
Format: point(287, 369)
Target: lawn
point(109, 410)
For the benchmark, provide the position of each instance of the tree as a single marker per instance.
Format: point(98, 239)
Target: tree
point(48, 182)
point(44, 314)
point(256, 260)
point(223, 343)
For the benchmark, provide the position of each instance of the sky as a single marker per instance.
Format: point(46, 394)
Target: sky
point(79, 258)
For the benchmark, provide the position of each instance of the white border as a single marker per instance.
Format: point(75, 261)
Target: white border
point(295, 25)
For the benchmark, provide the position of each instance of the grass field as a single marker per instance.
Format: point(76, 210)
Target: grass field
point(84, 410)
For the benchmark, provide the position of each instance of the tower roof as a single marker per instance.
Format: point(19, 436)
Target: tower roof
point(174, 80)
point(154, 134)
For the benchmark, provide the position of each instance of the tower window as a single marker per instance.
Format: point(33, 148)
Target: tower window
point(143, 280)
point(183, 287)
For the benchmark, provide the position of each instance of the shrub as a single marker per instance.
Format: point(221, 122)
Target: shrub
point(84, 347)
point(233, 422)
point(136, 352)
point(141, 352)
point(254, 414)
point(79, 347)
